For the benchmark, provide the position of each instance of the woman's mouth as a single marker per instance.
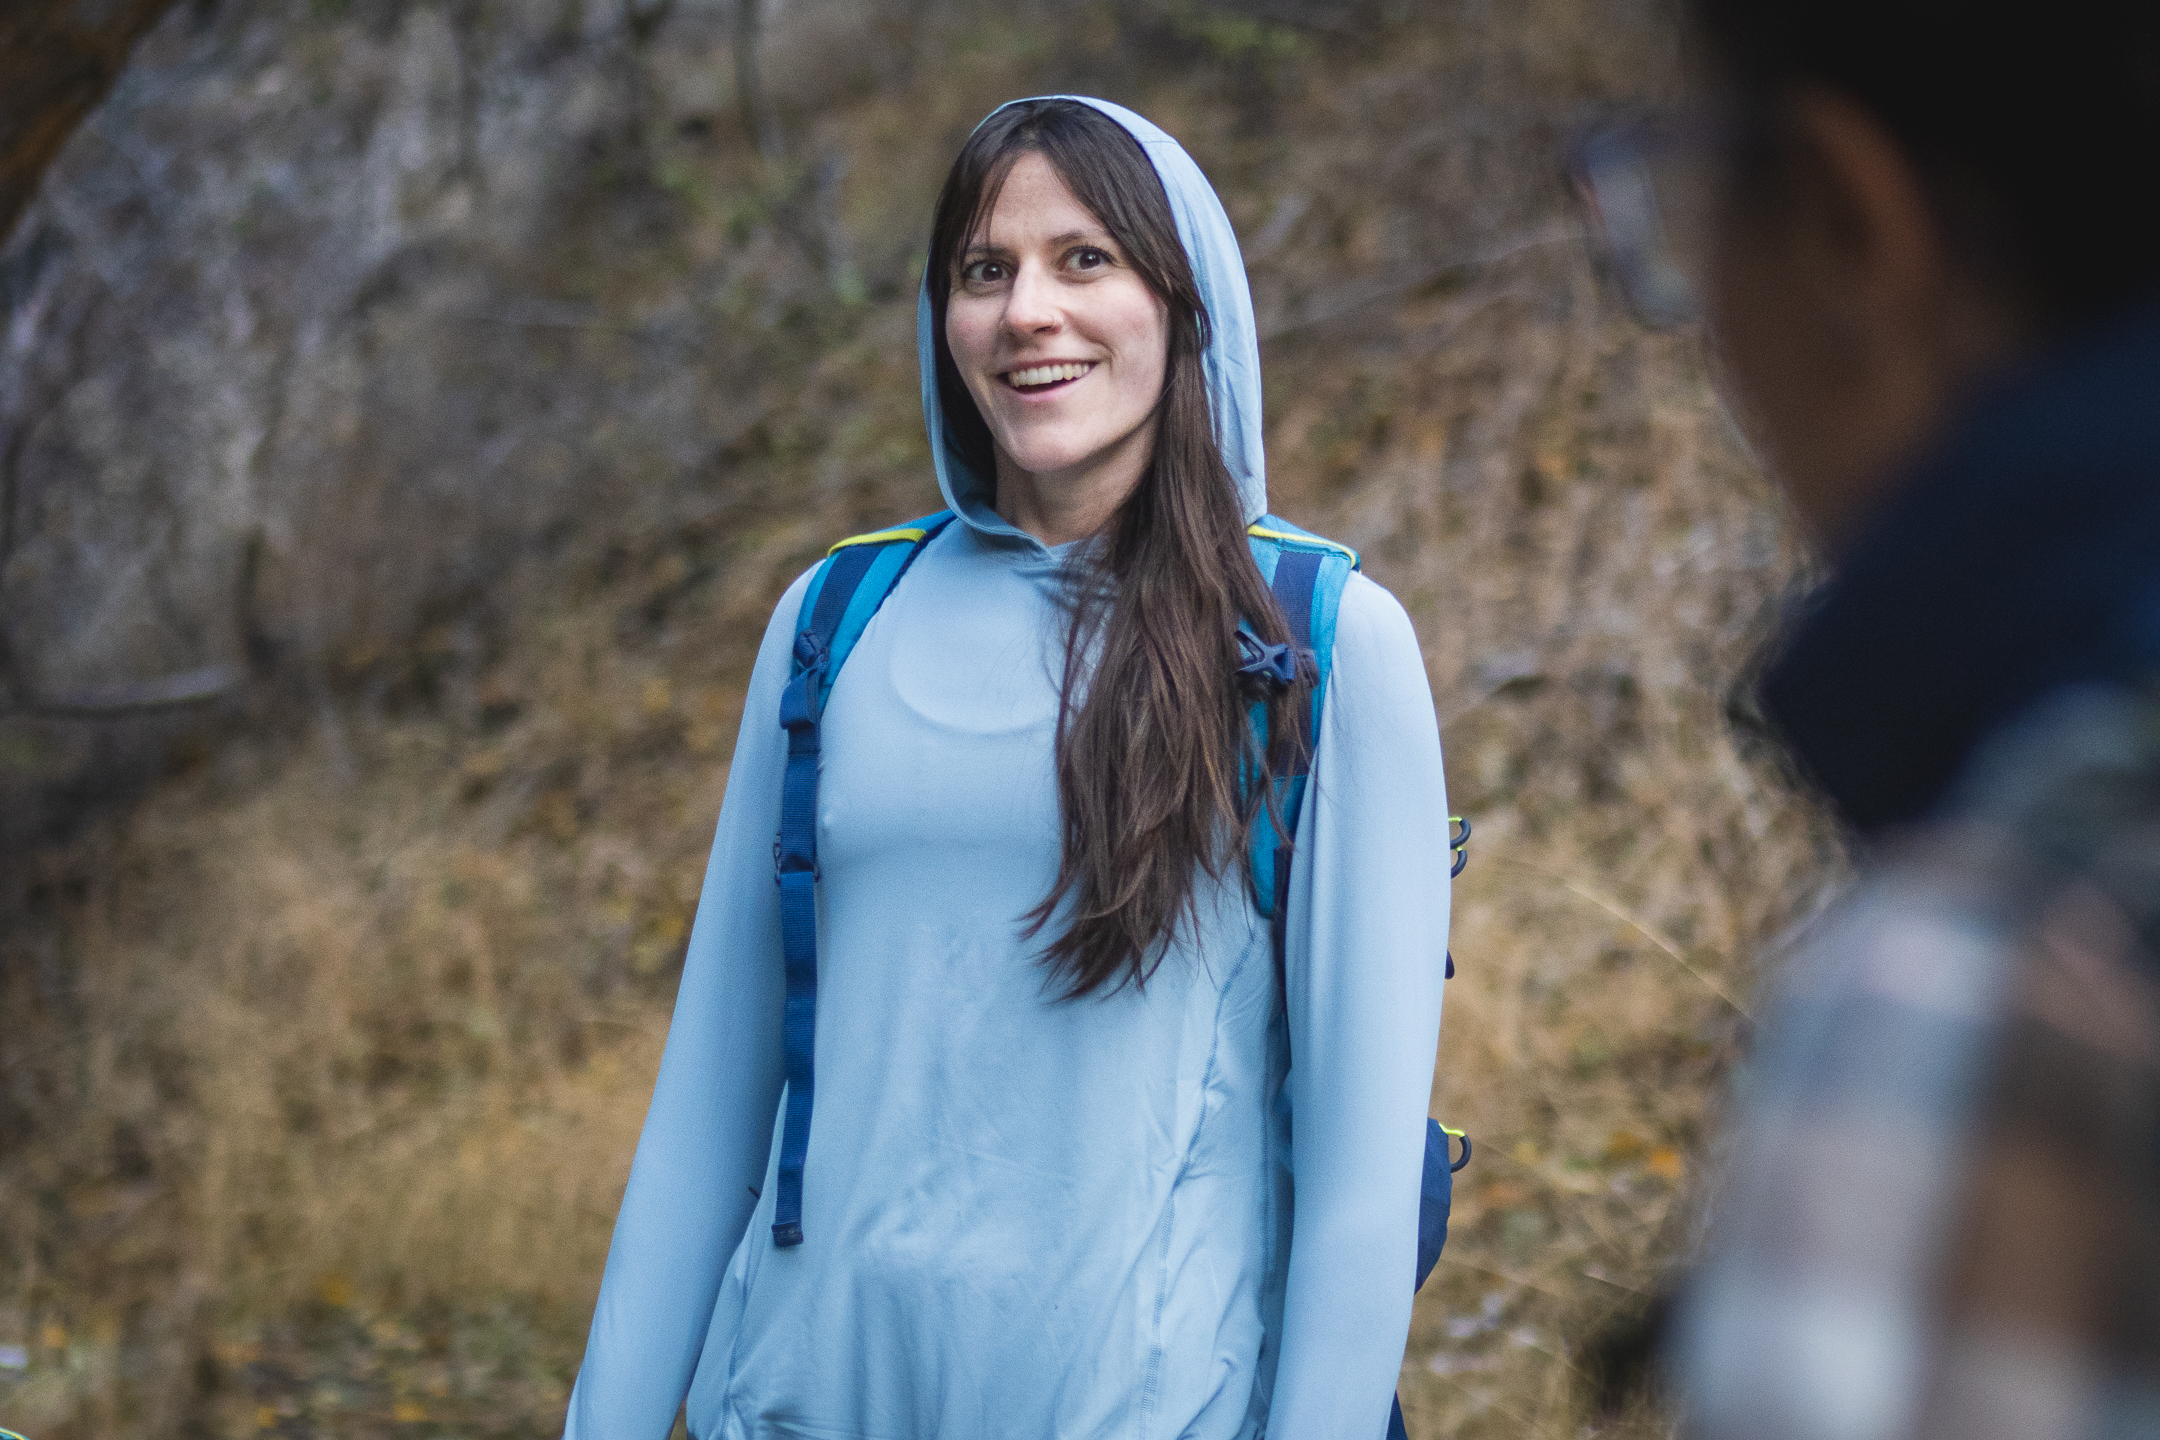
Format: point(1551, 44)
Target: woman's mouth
point(1042, 379)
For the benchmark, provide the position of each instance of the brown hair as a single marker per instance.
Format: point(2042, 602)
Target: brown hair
point(1153, 752)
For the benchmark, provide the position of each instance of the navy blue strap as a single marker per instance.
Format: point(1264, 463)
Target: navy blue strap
point(1279, 928)
point(802, 707)
point(1296, 574)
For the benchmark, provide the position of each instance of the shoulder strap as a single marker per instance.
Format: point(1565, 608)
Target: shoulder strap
point(1307, 575)
point(857, 575)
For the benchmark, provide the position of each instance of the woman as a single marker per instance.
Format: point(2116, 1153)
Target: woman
point(1042, 1192)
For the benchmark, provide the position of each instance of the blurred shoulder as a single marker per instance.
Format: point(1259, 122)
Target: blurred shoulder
point(1975, 1027)
point(2048, 846)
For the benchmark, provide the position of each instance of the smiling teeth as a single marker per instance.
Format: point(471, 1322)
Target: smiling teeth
point(1047, 374)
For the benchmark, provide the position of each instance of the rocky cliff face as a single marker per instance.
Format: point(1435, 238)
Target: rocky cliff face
point(330, 308)
point(334, 308)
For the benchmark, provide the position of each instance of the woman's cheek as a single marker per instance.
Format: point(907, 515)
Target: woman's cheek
point(968, 335)
point(960, 342)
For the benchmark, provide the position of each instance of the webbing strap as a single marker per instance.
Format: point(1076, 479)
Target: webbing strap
point(1306, 575)
point(1297, 573)
point(836, 608)
point(798, 943)
point(1279, 927)
point(1293, 587)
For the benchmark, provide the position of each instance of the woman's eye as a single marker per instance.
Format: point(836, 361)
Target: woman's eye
point(983, 272)
point(1087, 257)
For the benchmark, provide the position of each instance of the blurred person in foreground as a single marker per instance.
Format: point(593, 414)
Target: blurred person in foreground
point(1930, 276)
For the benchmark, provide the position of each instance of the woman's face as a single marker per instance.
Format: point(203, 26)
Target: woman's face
point(1061, 343)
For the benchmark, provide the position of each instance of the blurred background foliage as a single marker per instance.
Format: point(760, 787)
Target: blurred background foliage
point(409, 412)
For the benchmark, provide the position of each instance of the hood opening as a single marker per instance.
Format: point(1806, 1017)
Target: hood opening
point(1230, 359)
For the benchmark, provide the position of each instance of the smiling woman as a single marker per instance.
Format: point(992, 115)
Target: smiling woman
point(1048, 1009)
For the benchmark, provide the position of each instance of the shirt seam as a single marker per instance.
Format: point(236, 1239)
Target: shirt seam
point(1151, 1393)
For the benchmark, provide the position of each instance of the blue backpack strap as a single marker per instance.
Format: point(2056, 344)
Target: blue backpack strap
point(1307, 575)
point(857, 575)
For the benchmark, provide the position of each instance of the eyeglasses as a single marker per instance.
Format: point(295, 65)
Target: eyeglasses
point(1648, 189)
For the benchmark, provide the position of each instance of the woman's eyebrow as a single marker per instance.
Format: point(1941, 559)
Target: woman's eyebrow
point(1069, 237)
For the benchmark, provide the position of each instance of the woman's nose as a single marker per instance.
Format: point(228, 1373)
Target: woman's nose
point(1031, 306)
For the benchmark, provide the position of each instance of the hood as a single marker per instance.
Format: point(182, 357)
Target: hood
point(1231, 363)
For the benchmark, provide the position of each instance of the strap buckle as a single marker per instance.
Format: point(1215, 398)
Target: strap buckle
point(1264, 670)
point(781, 867)
point(801, 700)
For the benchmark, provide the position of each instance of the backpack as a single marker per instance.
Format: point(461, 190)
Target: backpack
point(1306, 574)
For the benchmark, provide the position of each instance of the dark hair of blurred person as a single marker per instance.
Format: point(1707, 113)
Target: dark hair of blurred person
point(1934, 289)
point(1907, 214)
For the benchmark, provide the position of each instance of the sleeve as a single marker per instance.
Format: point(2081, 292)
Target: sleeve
point(1366, 957)
point(709, 1132)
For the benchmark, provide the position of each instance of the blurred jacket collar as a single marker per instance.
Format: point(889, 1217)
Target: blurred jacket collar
point(2024, 556)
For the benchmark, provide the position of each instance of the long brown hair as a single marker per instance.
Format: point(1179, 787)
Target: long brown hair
point(1154, 758)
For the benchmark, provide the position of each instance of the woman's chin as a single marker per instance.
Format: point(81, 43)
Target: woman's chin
point(1056, 460)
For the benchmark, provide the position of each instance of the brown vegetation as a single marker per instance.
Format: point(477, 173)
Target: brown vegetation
point(325, 1061)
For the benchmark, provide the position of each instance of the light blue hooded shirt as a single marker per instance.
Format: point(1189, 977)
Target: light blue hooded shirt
point(1028, 1217)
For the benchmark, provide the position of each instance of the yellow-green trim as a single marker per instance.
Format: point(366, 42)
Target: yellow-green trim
point(1266, 534)
point(1451, 1130)
point(910, 533)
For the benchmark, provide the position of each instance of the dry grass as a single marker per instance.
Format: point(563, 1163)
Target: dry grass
point(325, 1063)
